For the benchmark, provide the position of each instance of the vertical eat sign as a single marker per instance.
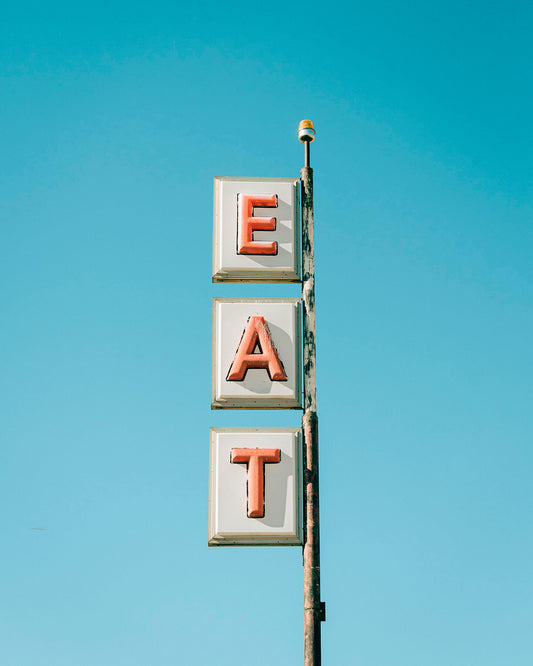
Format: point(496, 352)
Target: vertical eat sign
point(254, 473)
point(256, 230)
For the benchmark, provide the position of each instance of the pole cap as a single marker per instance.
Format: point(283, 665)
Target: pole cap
point(306, 131)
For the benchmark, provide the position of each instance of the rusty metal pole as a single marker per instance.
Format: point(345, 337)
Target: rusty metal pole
point(314, 609)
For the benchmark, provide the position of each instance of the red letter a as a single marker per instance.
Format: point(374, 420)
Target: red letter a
point(256, 334)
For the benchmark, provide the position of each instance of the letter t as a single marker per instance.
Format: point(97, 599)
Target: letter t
point(256, 459)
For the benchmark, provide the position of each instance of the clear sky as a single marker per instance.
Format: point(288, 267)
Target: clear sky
point(115, 117)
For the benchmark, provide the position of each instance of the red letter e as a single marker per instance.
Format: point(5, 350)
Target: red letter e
point(247, 224)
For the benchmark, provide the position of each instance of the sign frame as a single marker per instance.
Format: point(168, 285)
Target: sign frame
point(294, 538)
point(254, 402)
point(248, 272)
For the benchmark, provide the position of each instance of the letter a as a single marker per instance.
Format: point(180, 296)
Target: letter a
point(256, 334)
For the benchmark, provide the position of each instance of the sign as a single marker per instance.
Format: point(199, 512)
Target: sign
point(254, 487)
point(256, 353)
point(256, 230)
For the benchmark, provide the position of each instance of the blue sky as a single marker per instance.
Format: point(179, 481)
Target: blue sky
point(115, 117)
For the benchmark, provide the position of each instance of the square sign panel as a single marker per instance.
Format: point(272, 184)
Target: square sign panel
point(256, 230)
point(256, 353)
point(254, 487)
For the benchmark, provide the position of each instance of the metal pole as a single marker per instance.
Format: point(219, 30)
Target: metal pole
point(314, 609)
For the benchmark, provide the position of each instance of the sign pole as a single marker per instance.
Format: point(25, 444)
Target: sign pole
point(314, 609)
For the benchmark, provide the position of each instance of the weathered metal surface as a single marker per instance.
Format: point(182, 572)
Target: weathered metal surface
point(311, 552)
point(308, 290)
point(313, 607)
point(256, 459)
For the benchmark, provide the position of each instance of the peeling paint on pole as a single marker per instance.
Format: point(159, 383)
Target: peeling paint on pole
point(313, 607)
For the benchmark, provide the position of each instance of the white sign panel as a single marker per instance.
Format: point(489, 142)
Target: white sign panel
point(256, 230)
point(256, 353)
point(254, 488)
